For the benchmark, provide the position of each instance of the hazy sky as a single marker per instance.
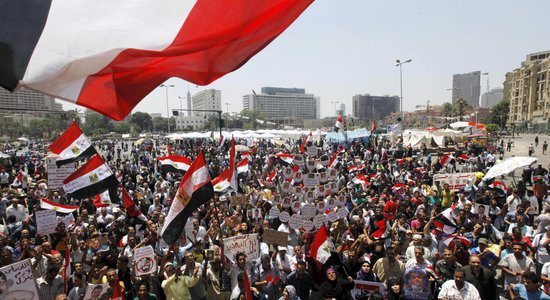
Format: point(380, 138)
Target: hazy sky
point(340, 48)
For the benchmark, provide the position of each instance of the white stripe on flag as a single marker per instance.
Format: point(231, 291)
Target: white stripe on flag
point(88, 179)
point(76, 148)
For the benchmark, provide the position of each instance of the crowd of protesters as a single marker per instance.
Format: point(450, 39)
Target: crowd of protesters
point(495, 241)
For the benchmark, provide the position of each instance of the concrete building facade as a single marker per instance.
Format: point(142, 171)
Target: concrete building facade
point(25, 105)
point(367, 107)
point(492, 98)
point(284, 106)
point(210, 99)
point(527, 89)
point(467, 86)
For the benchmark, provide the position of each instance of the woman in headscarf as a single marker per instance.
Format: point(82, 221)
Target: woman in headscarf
point(366, 272)
point(289, 293)
point(393, 286)
point(335, 288)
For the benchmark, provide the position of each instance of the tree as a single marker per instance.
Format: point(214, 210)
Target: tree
point(95, 121)
point(492, 127)
point(251, 115)
point(499, 113)
point(141, 121)
point(122, 127)
point(460, 107)
point(447, 109)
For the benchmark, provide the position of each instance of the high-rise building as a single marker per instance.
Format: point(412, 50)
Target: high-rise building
point(490, 99)
point(288, 106)
point(367, 107)
point(341, 110)
point(27, 100)
point(467, 86)
point(210, 99)
point(528, 90)
point(189, 103)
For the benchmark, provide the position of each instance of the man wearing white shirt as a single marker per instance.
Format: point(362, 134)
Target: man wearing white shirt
point(520, 223)
point(458, 288)
point(17, 210)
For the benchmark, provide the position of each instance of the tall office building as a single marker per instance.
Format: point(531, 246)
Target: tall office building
point(189, 103)
point(210, 99)
point(528, 90)
point(288, 106)
point(341, 110)
point(28, 101)
point(490, 99)
point(367, 107)
point(467, 86)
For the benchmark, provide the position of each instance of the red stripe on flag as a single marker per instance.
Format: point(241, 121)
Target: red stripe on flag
point(201, 52)
point(66, 139)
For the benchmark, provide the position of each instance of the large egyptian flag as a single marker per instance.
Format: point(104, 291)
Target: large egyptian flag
point(174, 163)
point(92, 178)
point(322, 246)
point(72, 145)
point(107, 55)
point(194, 190)
point(106, 198)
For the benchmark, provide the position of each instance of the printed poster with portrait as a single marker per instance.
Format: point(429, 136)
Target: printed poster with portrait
point(97, 292)
point(416, 284)
point(17, 281)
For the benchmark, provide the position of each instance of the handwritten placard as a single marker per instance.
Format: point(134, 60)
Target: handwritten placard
point(18, 281)
point(57, 175)
point(46, 221)
point(247, 244)
point(274, 237)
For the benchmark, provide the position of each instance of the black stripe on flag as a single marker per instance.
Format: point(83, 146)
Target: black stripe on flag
point(96, 188)
point(90, 151)
point(22, 25)
point(177, 226)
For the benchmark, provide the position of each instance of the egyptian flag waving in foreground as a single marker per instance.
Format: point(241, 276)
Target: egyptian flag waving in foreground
point(92, 178)
point(71, 146)
point(195, 190)
point(108, 55)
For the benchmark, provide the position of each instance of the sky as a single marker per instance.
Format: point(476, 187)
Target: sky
point(340, 48)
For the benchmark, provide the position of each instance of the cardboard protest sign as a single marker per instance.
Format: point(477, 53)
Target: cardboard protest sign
point(296, 221)
point(311, 180)
point(57, 175)
point(416, 284)
point(312, 151)
point(96, 291)
point(364, 289)
point(275, 237)
point(246, 243)
point(284, 216)
point(46, 221)
point(145, 261)
point(309, 210)
point(18, 281)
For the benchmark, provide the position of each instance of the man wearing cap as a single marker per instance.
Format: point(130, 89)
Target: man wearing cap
point(282, 261)
point(488, 259)
point(16, 209)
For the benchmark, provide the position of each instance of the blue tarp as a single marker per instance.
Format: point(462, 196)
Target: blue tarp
point(338, 137)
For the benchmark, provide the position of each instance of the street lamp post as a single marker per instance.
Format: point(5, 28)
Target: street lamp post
point(227, 107)
point(166, 86)
point(399, 64)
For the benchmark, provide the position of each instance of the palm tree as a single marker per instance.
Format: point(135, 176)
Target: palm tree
point(460, 107)
point(447, 109)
